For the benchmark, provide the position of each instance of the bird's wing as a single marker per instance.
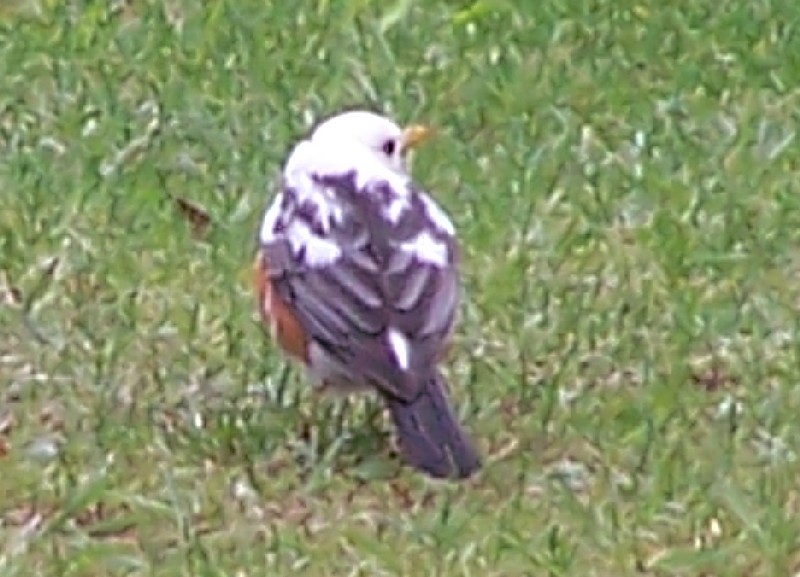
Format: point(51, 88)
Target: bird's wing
point(371, 275)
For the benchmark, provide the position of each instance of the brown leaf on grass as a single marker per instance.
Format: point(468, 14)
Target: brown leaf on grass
point(509, 407)
point(102, 521)
point(10, 294)
point(51, 417)
point(99, 520)
point(7, 423)
point(293, 509)
point(23, 514)
point(276, 465)
point(714, 378)
point(403, 495)
point(198, 218)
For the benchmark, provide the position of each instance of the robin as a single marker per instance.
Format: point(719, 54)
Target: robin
point(357, 279)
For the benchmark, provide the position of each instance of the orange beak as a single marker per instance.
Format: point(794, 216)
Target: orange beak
point(414, 135)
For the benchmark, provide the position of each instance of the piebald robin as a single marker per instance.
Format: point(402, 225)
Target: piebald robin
point(357, 279)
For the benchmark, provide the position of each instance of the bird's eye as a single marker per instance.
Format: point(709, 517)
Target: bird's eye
point(388, 147)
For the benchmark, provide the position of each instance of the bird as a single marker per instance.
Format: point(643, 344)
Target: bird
point(357, 278)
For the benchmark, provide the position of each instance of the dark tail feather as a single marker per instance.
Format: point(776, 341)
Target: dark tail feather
point(430, 436)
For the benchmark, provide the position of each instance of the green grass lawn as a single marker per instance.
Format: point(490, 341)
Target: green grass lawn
point(624, 176)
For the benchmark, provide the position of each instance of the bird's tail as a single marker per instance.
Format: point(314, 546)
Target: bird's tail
point(430, 437)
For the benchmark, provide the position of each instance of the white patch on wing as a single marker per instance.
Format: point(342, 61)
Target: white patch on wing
point(396, 208)
point(437, 216)
point(318, 251)
point(330, 209)
point(399, 346)
point(427, 249)
point(270, 219)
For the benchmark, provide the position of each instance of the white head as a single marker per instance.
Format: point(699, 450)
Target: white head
point(382, 137)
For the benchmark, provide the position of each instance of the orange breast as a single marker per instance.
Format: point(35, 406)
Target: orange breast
point(275, 312)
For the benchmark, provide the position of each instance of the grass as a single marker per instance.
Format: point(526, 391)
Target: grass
point(624, 178)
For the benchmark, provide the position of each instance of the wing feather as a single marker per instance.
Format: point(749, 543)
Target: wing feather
point(360, 283)
point(412, 287)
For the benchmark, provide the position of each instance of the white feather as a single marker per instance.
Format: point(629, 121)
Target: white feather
point(437, 216)
point(330, 209)
point(318, 251)
point(427, 249)
point(396, 207)
point(270, 219)
point(399, 346)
